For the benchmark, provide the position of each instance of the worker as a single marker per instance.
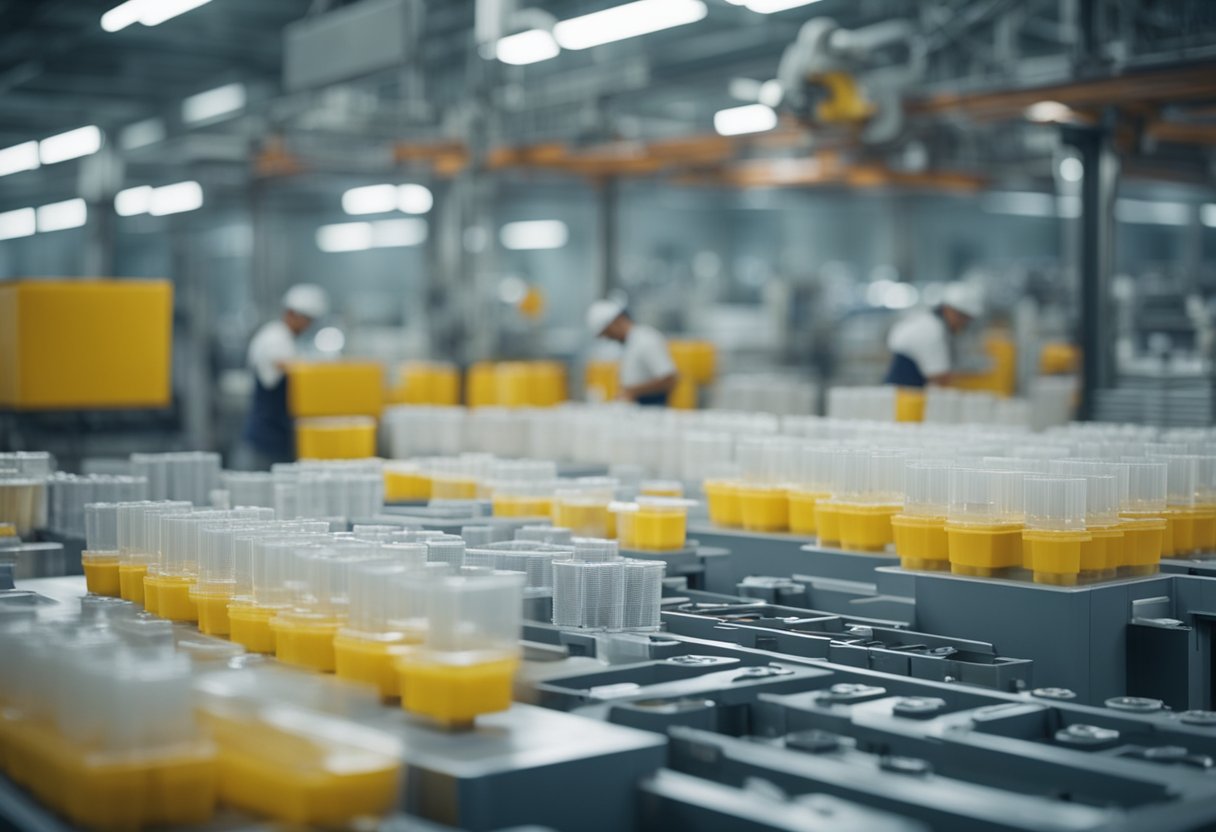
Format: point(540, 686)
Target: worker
point(920, 344)
point(647, 373)
point(269, 434)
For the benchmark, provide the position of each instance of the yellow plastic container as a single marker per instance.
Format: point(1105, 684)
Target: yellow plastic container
point(1180, 539)
point(802, 510)
point(421, 382)
point(522, 506)
point(695, 360)
point(370, 660)
point(921, 542)
point(1053, 556)
point(212, 611)
point(152, 585)
point(406, 486)
point(764, 508)
point(661, 488)
point(173, 598)
point(8, 530)
point(452, 694)
point(479, 386)
point(601, 381)
point(131, 581)
point(305, 641)
point(585, 519)
point(866, 528)
point(299, 779)
point(75, 344)
point(249, 626)
point(1205, 529)
point(984, 550)
point(909, 405)
point(658, 528)
point(722, 501)
point(1143, 544)
point(827, 522)
point(336, 438)
point(101, 573)
point(1101, 554)
point(453, 488)
point(335, 388)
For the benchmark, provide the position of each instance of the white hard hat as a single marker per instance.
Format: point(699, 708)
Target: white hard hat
point(966, 298)
point(602, 313)
point(307, 299)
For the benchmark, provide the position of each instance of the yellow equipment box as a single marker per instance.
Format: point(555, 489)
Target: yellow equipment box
point(71, 344)
point(335, 388)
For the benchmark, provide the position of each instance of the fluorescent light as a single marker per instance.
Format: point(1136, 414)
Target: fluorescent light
point(528, 47)
point(1145, 212)
point(773, 6)
point(744, 89)
point(132, 201)
point(345, 236)
point(147, 12)
point(750, 118)
point(534, 235)
point(1207, 215)
point(70, 145)
point(19, 157)
point(19, 223)
point(205, 106)
point(1019, 203)
point(1071, 169)
point(414, 199)
point(176, 198)
point(71, 213)
point(1047, 112)
point(771, 92)
point(142, 133)
point(329, 339)
point(626, 21)
point(397, 233)
point(370, 199)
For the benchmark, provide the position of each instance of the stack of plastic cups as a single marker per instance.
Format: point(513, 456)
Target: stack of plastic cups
point(169, 588)
point(827, 508)
point(1143, 517)
point(589, 589)
point(920, 531)
point(153, 543)
point(763, 494)
point(809, 486)
point(304, 633)
point(271, 589)
point(871, 494)
point(642, 595)
point(1055, 529)
point(554, 535)
point(367, 646)
point(1103, 553)
point(1205, 506)
point(984, 521)
point(214, 588)
point(721, 487)
point(138, 552)
point(583, 507)
point(466, 662)
point(447, 549)
point(477, 535)
point(1181, 486)
point(100, 555)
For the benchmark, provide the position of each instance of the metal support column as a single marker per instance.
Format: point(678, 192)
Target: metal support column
point(1095, 234)
point(608, 235)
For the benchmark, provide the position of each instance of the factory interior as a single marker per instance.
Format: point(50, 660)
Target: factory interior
point(587, 415)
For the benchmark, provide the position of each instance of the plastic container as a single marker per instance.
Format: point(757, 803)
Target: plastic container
point(336, 437)
point(523, 498)
point(273, 572)
point(984, 521)
point(304, 632)
point(447, 549)
point(1146, 532)
point(1055, 529)
point(583, 508)
point(100, 555)
point(920, 530)
point(652, 524)
point(642, 595)
point(532, 559)
point(869, 493)
point(589, 589)
point(1103, 554)
point(466, 662)
point(810, 485)
point(367, 646)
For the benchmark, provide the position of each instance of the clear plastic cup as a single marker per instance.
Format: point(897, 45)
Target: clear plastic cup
point(1056, 504)
point(927, 486)
point(1148, 486)
point(101, 527)
point(642, 594)
point(448, 549)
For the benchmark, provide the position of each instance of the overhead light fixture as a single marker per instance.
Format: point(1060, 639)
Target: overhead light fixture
point(528, 47)
point(629, 20)
point(774, 6)
point(141, 134)
point(19, 157)
point(345, 236)
point(1207, 215)
point(1151, 212)
point(211, 104)
point(19, 223)
point(750, 118)
point(414, 199)
point(771, 92)
point(398, 233)
point(744, 89)
point(1071, 169)
point(133, 201)
point(73, 144)
point(533, 235)
point(176, 198)
point(57, 216)
point(147, 12)
point(1048, 112)
point(370, 199)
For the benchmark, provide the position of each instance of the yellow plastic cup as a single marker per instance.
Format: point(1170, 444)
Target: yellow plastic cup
point(921, 542)
point(764, 508)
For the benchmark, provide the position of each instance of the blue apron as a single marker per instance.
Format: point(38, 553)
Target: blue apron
point(653, 400)
point(268, 428)
point(904, 372)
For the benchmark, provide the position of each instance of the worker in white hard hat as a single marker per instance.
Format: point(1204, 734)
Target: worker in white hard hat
point(269, 435)
point(647, 373)
point(920, 343)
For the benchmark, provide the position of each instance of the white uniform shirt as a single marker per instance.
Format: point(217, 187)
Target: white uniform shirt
point(922, 336)
point(645, 356)
point(272, 345)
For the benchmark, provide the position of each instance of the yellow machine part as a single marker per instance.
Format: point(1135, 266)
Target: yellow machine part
point(335, 388)
point(845, 103)
point(85, 343)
